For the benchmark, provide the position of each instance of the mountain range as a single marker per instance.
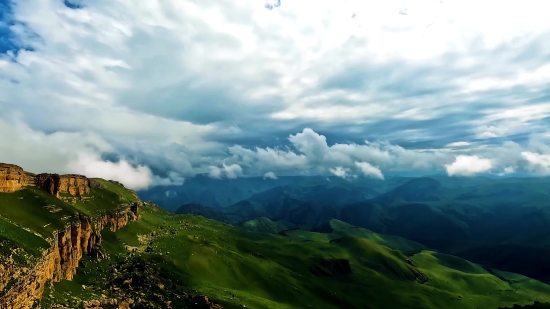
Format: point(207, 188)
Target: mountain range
point(503, 223)
point(68, 241)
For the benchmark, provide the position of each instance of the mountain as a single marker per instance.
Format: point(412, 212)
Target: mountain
point(224, 192)
point(264, 225)
point(303, 205)
point(205, 211)
point(68, 241)
point(497, 222)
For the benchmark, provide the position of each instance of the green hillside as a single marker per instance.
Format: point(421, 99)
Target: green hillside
point(335, 229)
point(264, 225)
point(234, 267)
point(169, 260)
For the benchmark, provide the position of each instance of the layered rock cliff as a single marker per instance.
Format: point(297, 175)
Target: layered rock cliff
point(13, 178)
point(67, 246)
point(75, 185)
point(60, 261)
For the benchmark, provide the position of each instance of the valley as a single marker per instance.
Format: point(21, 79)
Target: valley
point(105, 247)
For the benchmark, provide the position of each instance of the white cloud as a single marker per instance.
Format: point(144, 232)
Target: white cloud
point(133, 79)
point(468, 166)
point(215, 172)
point(458, 144)
point(538, 163)
point(369, 170)
point(270, 175)
point(138, 177)
point(230, 171)
point(339, 171)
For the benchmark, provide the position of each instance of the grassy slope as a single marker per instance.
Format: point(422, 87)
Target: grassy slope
point(271, 271)
point(264, 225)
point(106, 199)
point(263, 270)
point(28, 208)
point(28, 218)
point(336, 229)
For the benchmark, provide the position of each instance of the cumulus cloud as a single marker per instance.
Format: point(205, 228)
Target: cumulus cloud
point(270, 175)
point(138, 177)
point(339, 171)
point(468, 166)
point(310, 151)
point(215, 172)
point(230, 171)
point(141, 89)
point(369, 170)
point(538, 163)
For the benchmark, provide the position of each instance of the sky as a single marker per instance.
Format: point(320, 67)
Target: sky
point(154, 92)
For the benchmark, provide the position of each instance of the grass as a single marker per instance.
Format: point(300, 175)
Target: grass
point(29, 217)
point(126, 195)
point(272, 271)
point(104, 200)
point(12, 236)
point(36, 210)
point(264, 225)
point(235, 267)
point(337, 229)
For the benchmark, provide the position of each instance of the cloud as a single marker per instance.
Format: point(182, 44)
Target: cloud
point(369, 170)
point(139, 177)
point(233, 171)
point(215, 172)
point(270, 175)
point(538, 163)
point(132, 81)
point(230, 171)
point(468, 166)
point(458, 144)
point(271, 4)
point(339, 171)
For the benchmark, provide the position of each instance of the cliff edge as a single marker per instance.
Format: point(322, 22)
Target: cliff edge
point(24, 204)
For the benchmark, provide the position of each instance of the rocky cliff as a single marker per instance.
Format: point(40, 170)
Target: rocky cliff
point(75, 185)
point(61, 259)
point(13, 178)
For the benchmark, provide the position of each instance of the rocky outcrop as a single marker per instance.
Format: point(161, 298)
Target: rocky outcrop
point(61, 259)
point(75, 185)
point(14, 178)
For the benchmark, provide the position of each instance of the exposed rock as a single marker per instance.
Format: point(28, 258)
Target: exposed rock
point(62, 258)
point(201, 299)
point(14, 178)
point(75, 185)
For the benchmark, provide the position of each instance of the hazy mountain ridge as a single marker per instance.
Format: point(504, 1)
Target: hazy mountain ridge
point(462, 216)
point(150, 258)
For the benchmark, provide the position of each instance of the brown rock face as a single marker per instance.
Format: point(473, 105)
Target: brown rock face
point(13, 178)
point(61, 259)
point(75, 185)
